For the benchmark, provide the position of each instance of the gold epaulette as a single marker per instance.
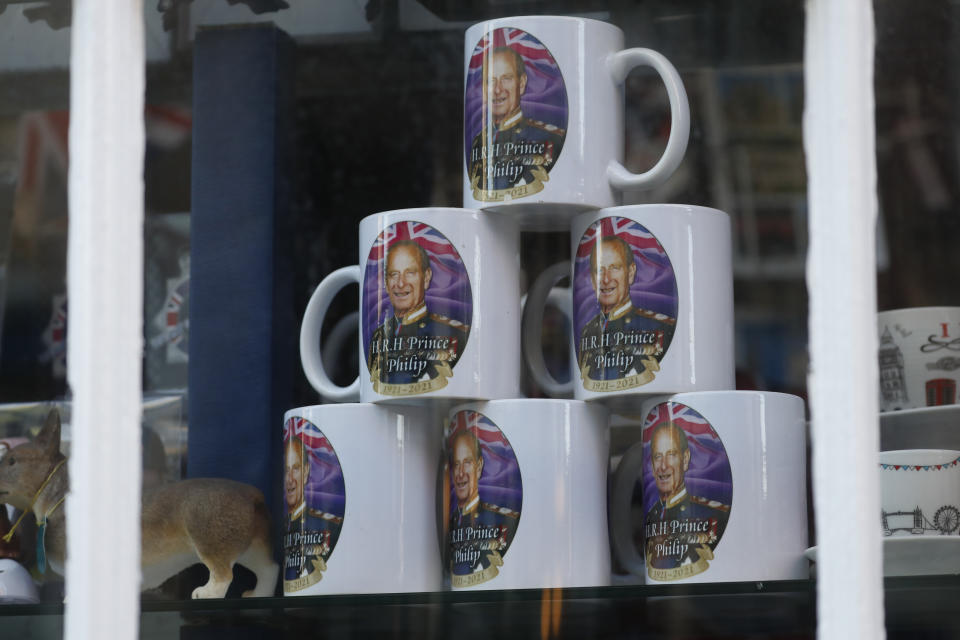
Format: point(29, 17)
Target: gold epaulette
point(653, 315)
point(450, 322)
point(323, 515)
point(713, 504)
point(552, 128)
point(503, 511)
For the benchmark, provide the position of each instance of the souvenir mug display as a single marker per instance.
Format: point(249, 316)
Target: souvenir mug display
point(439, 308)
point(359, 486)
point(919, 357)
point(652, 289)
point(543, 117)
point(920, 509)
point(523, 495)
point(723, 489)
point(920, 492)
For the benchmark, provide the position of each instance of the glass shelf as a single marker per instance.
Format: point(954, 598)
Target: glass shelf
point(754, 609)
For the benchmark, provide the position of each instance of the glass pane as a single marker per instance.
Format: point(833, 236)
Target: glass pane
point(916, 92)
point(361, 112)
point(34, 121)
point(274, 128)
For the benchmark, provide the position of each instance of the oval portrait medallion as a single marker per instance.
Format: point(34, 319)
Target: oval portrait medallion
point(485, 494)
point(515, 115)
point(315, 501)
point(625, 305)
point(687, 492)
point(416, 309)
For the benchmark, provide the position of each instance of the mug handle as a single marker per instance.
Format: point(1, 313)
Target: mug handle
point(620, 64)
point(338, 337)
point(532, 330)
point(310, 347)
point(621, 524)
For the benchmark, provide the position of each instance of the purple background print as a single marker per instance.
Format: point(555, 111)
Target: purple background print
point(500, 482)
point(654, 288)
point(449, 293)
point(545, 98)
point(324, 490)
point(709, 475)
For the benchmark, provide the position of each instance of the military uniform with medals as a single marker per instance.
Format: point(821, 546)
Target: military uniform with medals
point(306, 521)
point(622, 360)
point(520, 142)
point(419, 323)
point(684, 507)
point(484, 515)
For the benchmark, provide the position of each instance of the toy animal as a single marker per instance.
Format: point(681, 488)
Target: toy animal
point(214, 521)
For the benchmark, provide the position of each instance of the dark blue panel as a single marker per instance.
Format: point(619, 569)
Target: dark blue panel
point(242, 328)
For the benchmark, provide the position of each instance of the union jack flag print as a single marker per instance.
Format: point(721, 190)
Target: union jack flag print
point(679, 414)
point(487, 433)
point(535, 55)
point(436, 245)
point(636, 235)
point(314, 442)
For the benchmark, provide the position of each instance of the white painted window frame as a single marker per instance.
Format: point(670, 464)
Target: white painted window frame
point(105, 289)
point(105, 262)
point(839, 139)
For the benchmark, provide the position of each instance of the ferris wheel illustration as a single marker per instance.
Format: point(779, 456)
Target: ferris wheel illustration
point(946, 520)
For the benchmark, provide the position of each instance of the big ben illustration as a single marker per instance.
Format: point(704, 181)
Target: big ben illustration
point(893, 390)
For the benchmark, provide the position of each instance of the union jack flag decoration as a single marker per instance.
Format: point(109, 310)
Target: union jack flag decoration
point(535, 55)
point(643, 242)
point(679, 414)
point(436, 245)
point(487, 433)
point(315, 443)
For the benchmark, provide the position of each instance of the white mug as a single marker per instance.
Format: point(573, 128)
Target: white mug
point(543, 117)
point(919, 357)
point(16, 585)
point(523, 495)
point(439, 308)
point(920, 492)
point(652, 304)
point(723, 488)
point(359, 494)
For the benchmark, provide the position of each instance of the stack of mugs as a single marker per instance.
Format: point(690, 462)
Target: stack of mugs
point(920, 459)
point(508, 492)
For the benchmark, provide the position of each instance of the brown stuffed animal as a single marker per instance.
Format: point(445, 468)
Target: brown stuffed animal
point(214, 521)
